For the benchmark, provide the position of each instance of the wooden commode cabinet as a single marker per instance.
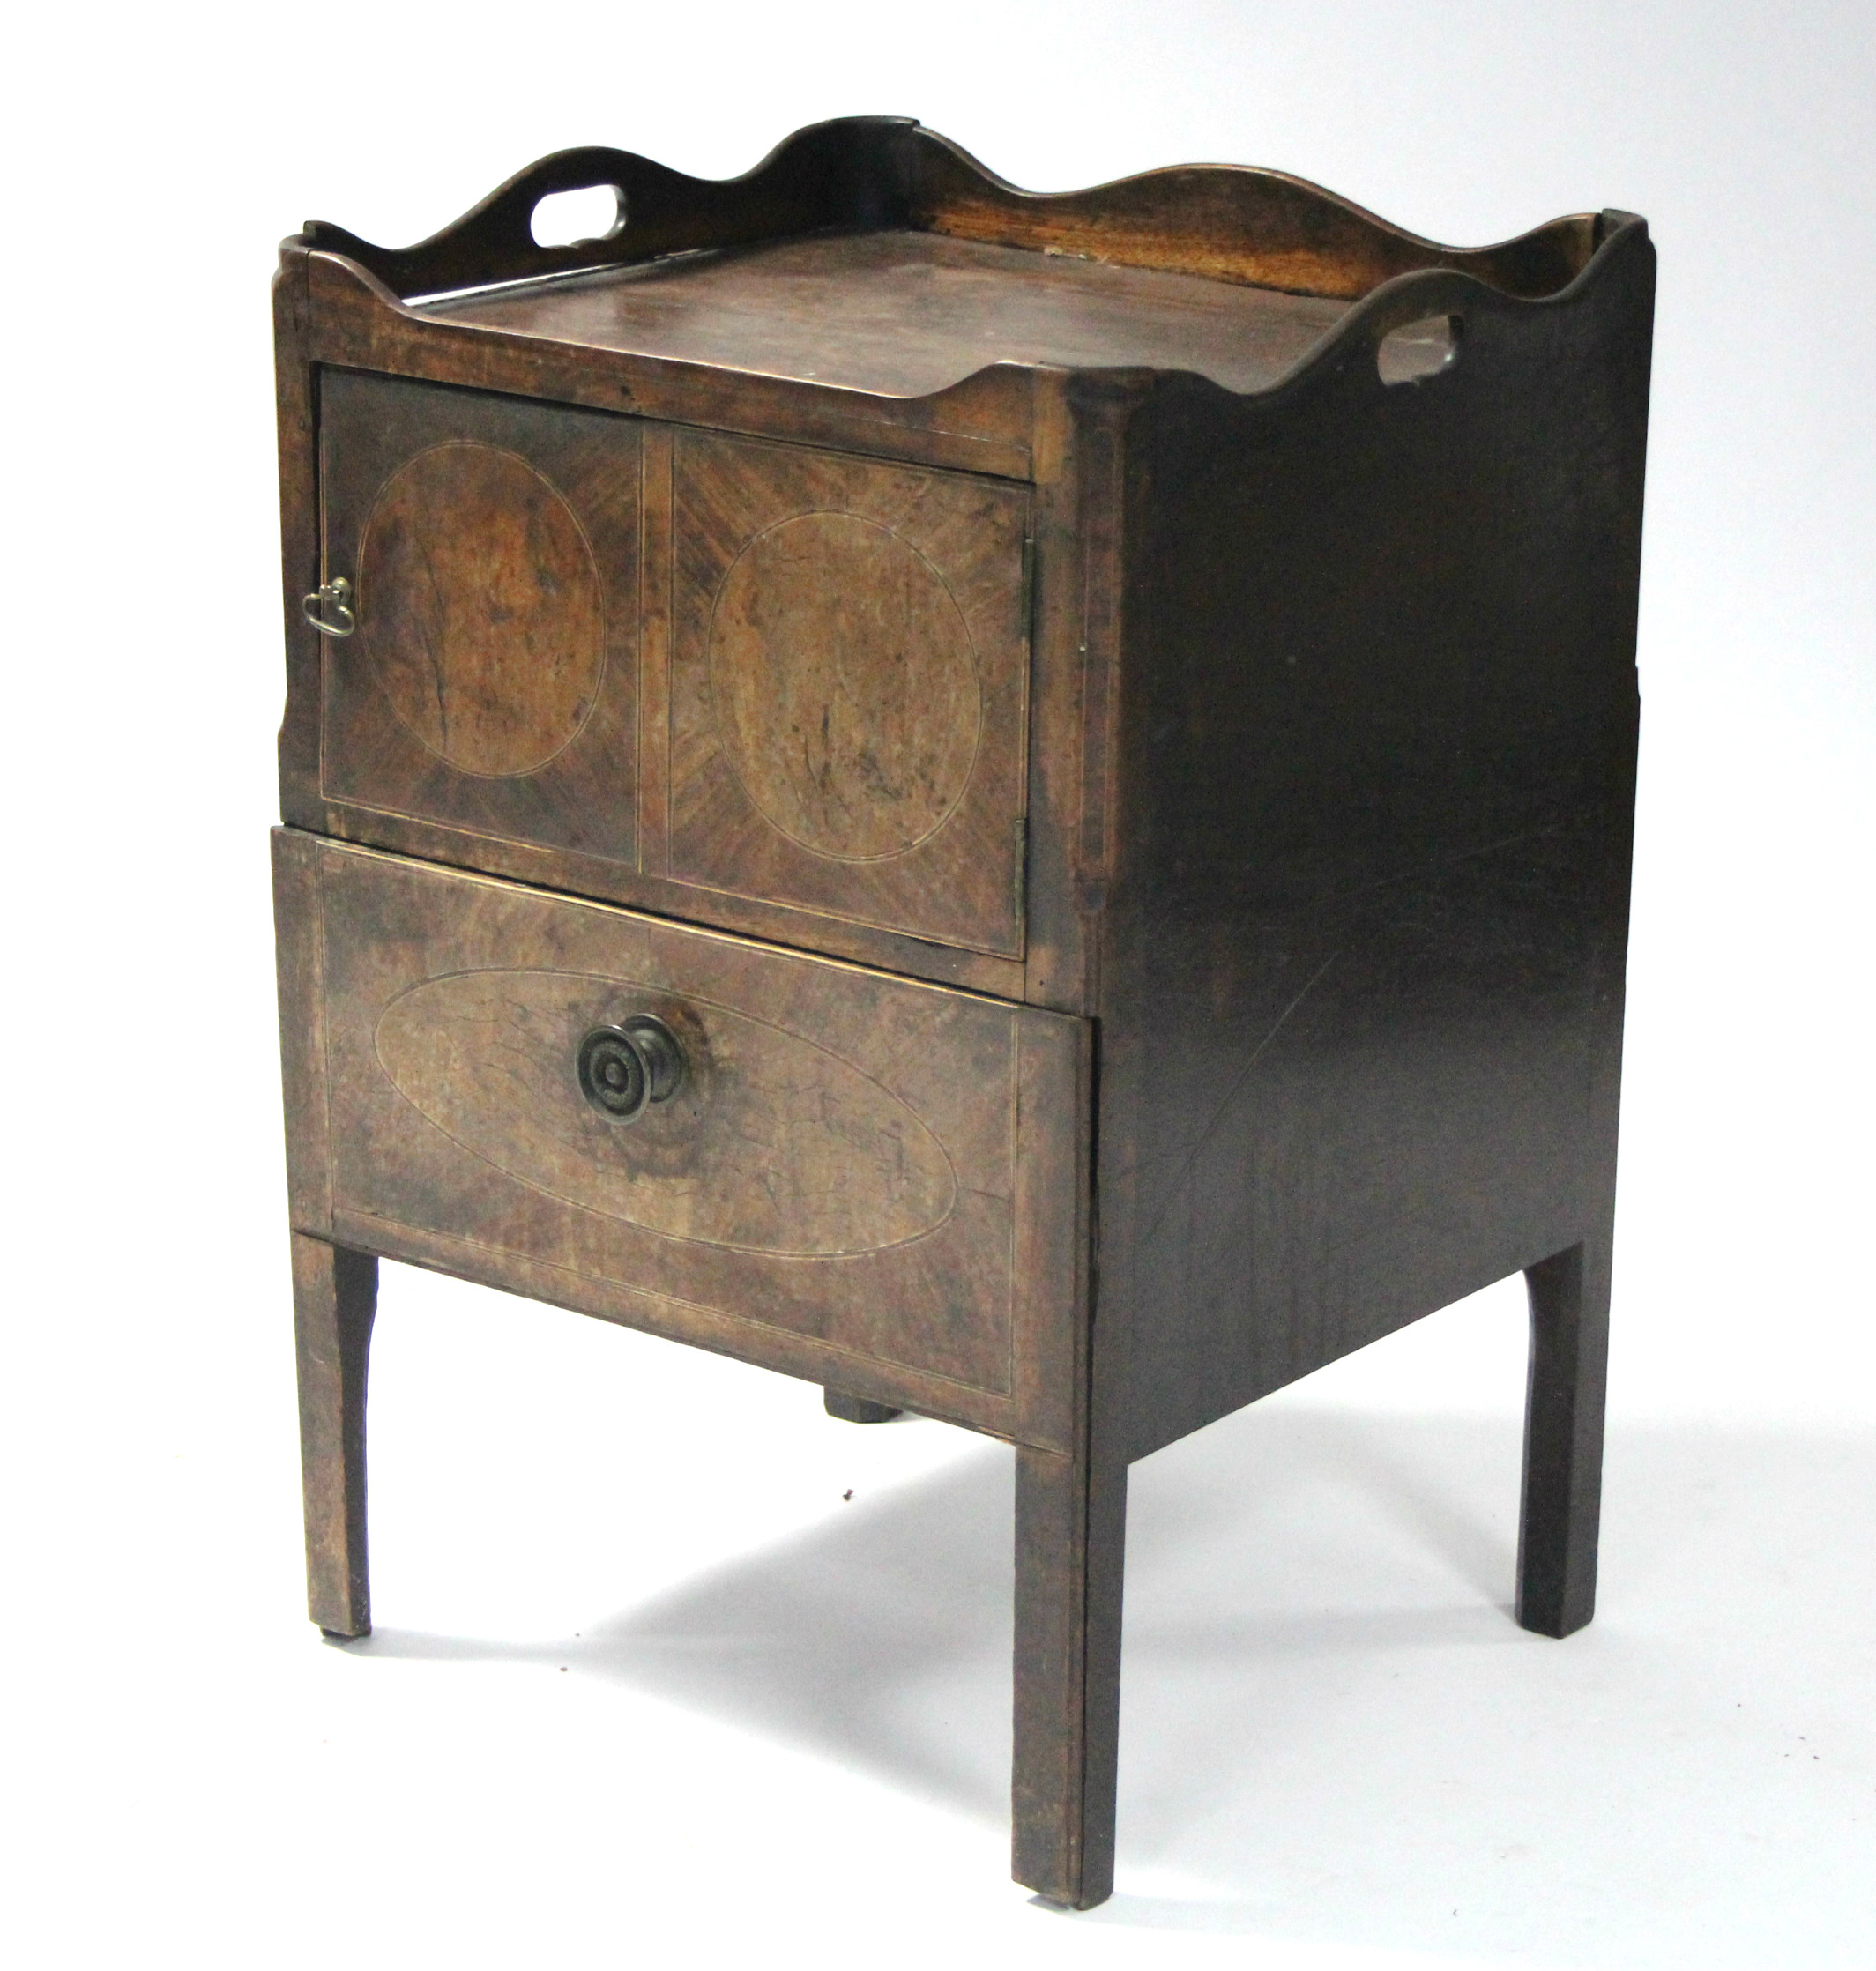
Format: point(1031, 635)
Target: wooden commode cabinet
point(1014, 804)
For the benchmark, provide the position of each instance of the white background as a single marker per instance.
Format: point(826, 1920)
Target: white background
point(647, 1689)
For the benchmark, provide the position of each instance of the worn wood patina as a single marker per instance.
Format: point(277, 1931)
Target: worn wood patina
point(1015, 805)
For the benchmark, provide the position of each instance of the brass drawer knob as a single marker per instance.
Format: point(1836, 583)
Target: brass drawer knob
point(333, 596)
point(624, 1069)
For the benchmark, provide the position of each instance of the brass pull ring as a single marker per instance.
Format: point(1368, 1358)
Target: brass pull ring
point(332, 595)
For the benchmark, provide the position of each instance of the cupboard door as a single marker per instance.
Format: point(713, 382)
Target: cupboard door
point(492, 544)
point(849, 687)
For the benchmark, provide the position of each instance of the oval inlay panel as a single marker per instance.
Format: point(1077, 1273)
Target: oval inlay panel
point(772, 1145)
point(844, 686)
point(479, 607)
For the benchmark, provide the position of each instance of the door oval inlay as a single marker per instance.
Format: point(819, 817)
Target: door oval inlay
point(480, 606)
point(845, 687)
point(773, 1145)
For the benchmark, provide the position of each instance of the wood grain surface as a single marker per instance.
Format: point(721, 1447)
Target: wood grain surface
point(1231, 223)
point(1314, 799)
point(485, 628)
point(1365, 932)
point(909, 314)
point(1071, 1539)
point(775, 1143)
point(499, 680)
point(849, 688)
point(883, 1168)
point(491, 685)
point(350, 321)
point(335, 1299)
point(844, 685)
point(834, 669)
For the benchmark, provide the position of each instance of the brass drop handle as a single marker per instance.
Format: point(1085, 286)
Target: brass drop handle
point(624, 1069)
point(333, 595)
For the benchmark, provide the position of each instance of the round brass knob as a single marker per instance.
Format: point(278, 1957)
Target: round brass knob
point(624, 1069)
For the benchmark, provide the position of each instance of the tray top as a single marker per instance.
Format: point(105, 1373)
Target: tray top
point(905, 314)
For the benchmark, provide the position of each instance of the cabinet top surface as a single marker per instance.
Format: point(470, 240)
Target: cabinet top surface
point(901, 313)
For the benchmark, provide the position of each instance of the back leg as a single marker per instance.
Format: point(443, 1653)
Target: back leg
point(857, 1409)
point(1563, 1439)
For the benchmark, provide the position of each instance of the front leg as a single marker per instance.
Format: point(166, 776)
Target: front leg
point(335, 1295)
point(1071, 1538)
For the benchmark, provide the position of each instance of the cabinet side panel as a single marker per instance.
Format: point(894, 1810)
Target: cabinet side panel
point(1365, 936)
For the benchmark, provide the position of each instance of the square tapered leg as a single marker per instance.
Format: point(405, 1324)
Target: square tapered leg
point(1071, 1536)
point(335, 1296)
point(1563, 1439)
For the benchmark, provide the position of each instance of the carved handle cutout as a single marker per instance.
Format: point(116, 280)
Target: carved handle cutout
point(581, 218)
point(1418, 350)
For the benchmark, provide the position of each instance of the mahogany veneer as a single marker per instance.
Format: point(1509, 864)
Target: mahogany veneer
point(1015, 805)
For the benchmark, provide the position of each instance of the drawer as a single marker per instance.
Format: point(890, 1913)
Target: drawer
point(732, 669)
point(859, 1179)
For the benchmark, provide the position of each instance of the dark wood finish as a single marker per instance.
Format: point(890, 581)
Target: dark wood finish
point(848, 172)
point(537, 779)
point(981, 425)
point(493, 548)
point(300, 958)
point(1225, 222)
point(297, 428)
point(909, 315)
point(1075, 518)
point(335, 1296)
point(611, 881)
point(1371, 884)
point(887, 1170)
point(1246, 879)
point(1563, 1439)
point(849, 689)
point(1071, 1535)
point(486, 629)
point(857, 1409)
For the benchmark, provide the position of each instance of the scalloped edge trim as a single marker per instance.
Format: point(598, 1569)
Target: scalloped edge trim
point(1236, 223)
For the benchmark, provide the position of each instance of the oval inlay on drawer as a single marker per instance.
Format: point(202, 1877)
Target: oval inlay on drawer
point(773, 1144)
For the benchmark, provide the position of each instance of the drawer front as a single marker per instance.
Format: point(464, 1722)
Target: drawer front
point(491, 683)
point(849, 687)
point(859, 1179)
